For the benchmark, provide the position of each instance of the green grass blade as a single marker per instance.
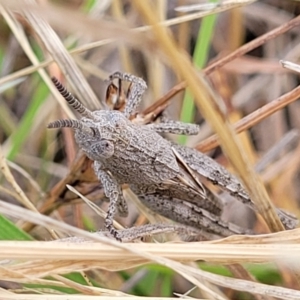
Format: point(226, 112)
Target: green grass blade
point(10, 232)
point(19, 137)
point(201, 52)
point(88, 5)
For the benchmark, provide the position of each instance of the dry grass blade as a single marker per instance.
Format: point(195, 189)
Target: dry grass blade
point(217, 9)
point(117, 257)
point(254, 287)
point(134, 251)
point(93, 206)
point(253, 44)
point(207, 102)
point(212, 6)
point(291, 66)
point(149, 257)
point(21, 196)
point(26, 175)
point(86, 290)
point(61, 56)
point(77, 21)
point(254, 118)
point(51, 41)
point(61, 14)
point(11, 180)
point(20, 35)
point(228, 58)
point(28, 296)
point(49, 204)
point(111, 258)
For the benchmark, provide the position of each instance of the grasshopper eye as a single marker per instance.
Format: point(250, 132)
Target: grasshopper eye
point(106, 148)
point(102, 149)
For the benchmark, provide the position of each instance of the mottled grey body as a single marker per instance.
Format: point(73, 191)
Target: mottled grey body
point(132, 153)
point(124, 152)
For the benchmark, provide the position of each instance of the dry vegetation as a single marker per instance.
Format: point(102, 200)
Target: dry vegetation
point(81, 43)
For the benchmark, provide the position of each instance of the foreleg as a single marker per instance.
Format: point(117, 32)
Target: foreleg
point(113, 192)
point(137, 89)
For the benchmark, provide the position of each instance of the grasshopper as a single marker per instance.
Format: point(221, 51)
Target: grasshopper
point(168, 178)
